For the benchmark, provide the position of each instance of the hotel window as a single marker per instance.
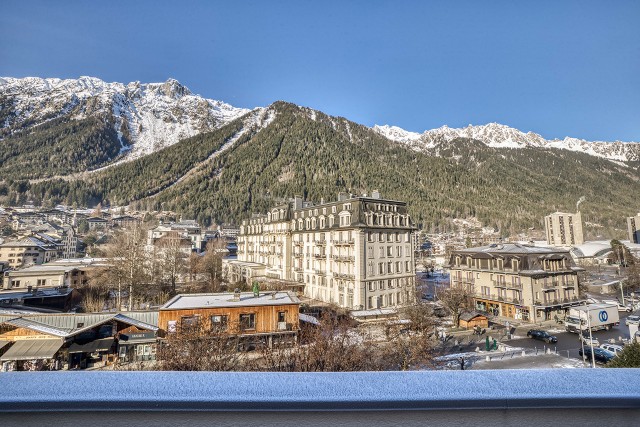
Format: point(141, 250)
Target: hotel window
point(390, 251)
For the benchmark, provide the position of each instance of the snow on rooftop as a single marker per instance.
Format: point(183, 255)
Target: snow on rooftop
point(247, 299)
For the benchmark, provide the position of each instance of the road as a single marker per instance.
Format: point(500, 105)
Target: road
point(568, 342)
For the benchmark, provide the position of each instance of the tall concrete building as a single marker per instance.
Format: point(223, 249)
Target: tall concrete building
point(356, 252)
point(633, 227)
point(564, 229)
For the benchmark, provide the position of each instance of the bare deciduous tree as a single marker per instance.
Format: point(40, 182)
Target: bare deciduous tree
point(172, 253)
point(199, 347)
point(456, 299)
point(130, 267)
point(211, 263)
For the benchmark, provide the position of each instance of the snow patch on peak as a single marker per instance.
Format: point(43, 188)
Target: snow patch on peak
point(502, 136)
point(396, 134)
point(146, 116)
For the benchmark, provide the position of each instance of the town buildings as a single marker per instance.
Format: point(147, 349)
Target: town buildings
point(633, 228)
point(356, 252)
point(28, 251)
point(518, 281)
point(564, 229)
point(68, 341)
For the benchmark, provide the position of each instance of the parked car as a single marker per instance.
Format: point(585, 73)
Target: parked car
point(587, 340)
point(613, 348)
point(542, 336)
point(601, 355)
point(632, 320)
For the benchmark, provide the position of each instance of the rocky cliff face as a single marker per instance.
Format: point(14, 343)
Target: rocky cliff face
point(146, 117)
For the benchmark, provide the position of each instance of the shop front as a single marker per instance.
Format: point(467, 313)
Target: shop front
point(138, 346)
point(32, 355)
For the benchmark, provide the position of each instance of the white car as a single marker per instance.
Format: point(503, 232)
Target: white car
point(632, 320)
point(613, 348)
point(588, 341)
point(620, 306)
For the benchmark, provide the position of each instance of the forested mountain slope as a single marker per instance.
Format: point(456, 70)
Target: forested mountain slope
point(272, 154)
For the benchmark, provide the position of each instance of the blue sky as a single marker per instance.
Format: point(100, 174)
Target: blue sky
point(559, 68)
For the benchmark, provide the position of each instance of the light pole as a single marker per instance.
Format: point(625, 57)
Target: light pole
point(593, 360)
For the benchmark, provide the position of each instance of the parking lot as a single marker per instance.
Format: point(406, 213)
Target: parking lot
point(568, 343)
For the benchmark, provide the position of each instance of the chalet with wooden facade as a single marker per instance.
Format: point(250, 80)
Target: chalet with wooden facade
point(265, 318)
point(75, 341)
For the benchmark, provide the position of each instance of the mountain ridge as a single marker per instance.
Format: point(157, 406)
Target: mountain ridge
point(501, 136)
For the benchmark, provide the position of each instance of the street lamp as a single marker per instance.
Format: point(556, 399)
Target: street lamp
point(593, 360)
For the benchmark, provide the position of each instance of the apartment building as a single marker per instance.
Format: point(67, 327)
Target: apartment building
point(633, 228)
point(356, 252)
point(563, 229)
point(517, 281)
point(28, 251)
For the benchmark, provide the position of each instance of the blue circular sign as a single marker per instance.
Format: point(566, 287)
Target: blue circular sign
point(603, 316)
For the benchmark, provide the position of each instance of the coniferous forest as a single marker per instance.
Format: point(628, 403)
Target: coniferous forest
point(315, 156)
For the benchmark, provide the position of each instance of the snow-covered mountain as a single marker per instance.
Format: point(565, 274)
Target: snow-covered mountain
point(147, 116)
point(501, 136)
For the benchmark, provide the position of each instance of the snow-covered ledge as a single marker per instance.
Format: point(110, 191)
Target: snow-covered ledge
point(373, 398)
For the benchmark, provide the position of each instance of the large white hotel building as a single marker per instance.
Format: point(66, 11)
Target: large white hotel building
point(355, 252)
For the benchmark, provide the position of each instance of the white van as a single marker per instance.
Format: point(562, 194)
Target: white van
point(620, 306)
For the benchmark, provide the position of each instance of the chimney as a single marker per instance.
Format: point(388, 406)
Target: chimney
point(273, 295)
point(236, 294)
point(342, 196)
point(375, 194)
point(297, 203)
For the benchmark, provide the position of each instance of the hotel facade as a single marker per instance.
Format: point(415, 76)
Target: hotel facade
point(518, 281)
point(355, 252)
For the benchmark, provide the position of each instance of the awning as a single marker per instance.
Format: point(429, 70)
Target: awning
point(4, 343)
point(32, 350)
point(103, 344)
